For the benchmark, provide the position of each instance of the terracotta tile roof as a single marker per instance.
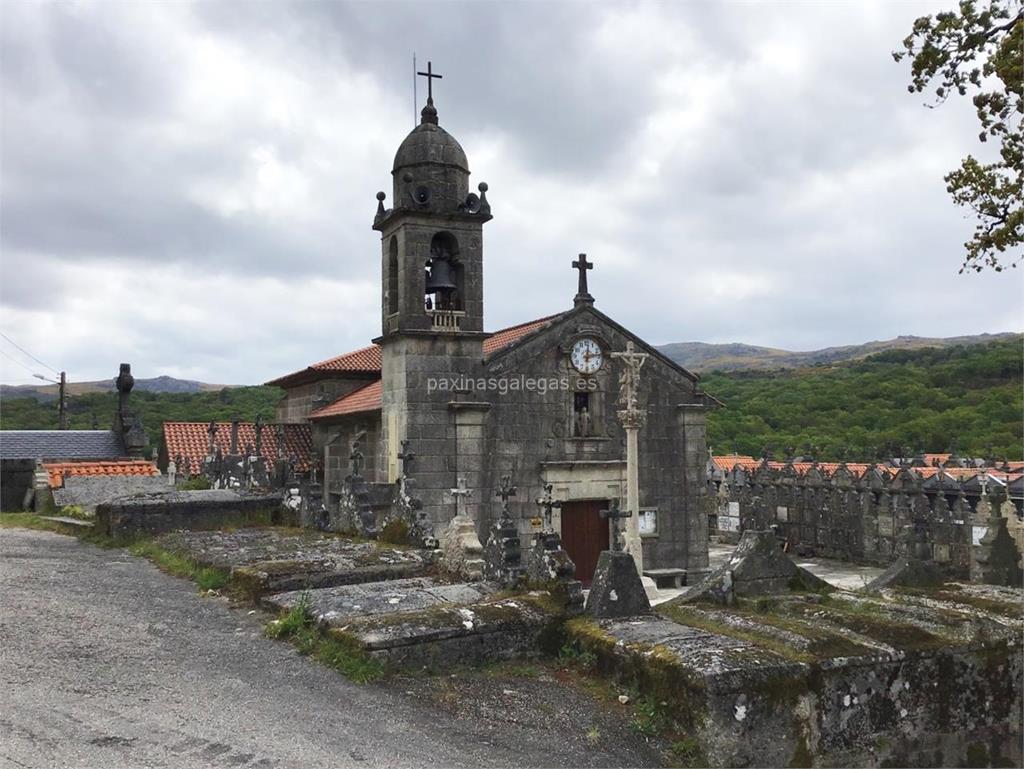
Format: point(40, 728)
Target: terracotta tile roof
point(190, 440)
point(58, 471)
point(499, 340)
point(729, 461)
point(366, 360)
point(364, 399)
point(368, 398)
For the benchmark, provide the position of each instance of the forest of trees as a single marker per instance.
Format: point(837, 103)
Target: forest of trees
point(888, 404)
point(153, 409)
point(894, 402)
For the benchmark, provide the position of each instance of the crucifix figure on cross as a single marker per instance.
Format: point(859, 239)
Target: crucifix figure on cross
point(211, 431)
point(406, 456)
point(629, 380)
point(547, 504)
point(583, 265)
point(614, 514)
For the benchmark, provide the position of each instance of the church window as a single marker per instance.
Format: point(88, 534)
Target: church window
point(392, 299)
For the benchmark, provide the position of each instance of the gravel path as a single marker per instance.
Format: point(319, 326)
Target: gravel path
point(106, 662)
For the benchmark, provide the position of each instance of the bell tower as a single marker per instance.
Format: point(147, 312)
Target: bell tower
point(431, 237)
point(432, 314)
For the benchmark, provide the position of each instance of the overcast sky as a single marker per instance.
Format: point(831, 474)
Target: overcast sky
point(191, 187)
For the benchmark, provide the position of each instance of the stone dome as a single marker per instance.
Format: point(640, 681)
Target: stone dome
point(429, 143)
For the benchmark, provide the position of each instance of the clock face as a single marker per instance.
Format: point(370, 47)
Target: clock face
point(587, 356)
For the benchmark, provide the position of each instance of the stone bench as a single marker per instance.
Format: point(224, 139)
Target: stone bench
point(667, 578)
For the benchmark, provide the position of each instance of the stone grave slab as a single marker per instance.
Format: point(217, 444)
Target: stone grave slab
point(269, 560)
point(335, 606)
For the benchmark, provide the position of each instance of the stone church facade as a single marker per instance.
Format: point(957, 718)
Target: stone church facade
point(537, 402)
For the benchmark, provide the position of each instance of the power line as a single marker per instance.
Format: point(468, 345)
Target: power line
point(33, 357)
point(11, 357)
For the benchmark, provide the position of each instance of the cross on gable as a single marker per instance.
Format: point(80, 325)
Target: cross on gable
point(582, 265)
point(406, 456)
point(430, 76)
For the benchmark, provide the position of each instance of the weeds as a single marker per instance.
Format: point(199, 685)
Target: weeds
point(573, 654)
point(178, 565)
point(651, 717)
point(329, 647)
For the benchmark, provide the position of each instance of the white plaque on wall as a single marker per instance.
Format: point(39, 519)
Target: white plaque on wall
point(728, 523)
point(734, 509)
point(782, 513)
point(977, 533)
point(648, 523)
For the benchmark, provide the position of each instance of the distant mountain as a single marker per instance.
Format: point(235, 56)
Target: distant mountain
point(701, 356)
point(160, 384)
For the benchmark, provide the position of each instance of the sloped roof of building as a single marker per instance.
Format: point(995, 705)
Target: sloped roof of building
point(58, 471)
point(190, 441)
point(60, 444)
point(368, 398)
point(367, 360)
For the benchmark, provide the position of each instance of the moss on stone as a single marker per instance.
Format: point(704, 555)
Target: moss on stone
point(395, 532)
point(802, 756)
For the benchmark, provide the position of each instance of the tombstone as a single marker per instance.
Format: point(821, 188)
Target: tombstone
point(503, 551)
point(547, 563)
point(407, 507)
point(172, 472)
point(460, 544)
point(997, 557)
point(617, 590)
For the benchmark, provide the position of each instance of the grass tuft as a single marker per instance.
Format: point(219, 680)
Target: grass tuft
point(178, 565)
point(330, 647)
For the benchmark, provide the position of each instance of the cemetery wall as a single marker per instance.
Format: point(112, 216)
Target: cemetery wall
point(869, 519)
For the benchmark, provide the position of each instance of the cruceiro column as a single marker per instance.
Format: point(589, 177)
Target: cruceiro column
point(632, 418)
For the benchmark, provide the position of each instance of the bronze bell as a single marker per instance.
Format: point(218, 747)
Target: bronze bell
point(439, 279)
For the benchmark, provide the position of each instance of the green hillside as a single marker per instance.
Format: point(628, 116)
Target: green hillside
point(921, 400)
point(153, 408)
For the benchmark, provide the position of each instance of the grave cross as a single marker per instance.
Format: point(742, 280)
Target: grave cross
point(506, 491)
point(406, 456)
point(430, 76)
point(258, 427)
point(548, 503)
point(614, 514)
point(211, 430)
point(462, 495)
point(582, 265)
point(356, 457)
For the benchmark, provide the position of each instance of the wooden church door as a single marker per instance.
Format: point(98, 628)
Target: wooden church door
point(584, 535)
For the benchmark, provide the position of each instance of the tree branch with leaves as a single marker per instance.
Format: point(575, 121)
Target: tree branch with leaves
point(979, 49)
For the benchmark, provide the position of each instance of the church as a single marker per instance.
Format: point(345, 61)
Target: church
point(541, 402)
